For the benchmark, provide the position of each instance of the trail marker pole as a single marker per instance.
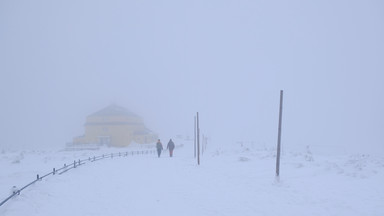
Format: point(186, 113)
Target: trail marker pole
point(198, 138)
point(195, 138)
point(203, 145)
point(279, 137)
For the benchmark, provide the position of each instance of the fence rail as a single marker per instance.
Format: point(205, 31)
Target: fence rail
point(75, 164)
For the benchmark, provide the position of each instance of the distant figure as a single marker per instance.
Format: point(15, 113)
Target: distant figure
point(171, 146)
point(159, 147)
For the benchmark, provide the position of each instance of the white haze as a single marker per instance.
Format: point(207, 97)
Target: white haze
point(165, 60)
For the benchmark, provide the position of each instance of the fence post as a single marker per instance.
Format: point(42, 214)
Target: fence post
point(74, 164)
point(54, 171)
point(38, 178)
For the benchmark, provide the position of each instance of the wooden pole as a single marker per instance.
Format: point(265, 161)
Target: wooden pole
point(198, 138)
point(195, 138)
point(279, 136)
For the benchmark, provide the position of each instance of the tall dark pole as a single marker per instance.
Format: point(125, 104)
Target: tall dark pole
point(198, 139)
point(195, 138)
point(279, 136)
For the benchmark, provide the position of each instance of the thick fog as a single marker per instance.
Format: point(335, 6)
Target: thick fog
point(165, 60)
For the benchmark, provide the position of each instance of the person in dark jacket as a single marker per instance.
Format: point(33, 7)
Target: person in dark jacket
point(170, 147)
point(159, 147)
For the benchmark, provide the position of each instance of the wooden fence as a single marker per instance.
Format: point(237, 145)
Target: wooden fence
point(75, 164)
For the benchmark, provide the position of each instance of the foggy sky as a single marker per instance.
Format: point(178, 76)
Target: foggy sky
point(165, 60)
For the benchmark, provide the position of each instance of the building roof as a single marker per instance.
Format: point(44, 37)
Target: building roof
point(114, 110)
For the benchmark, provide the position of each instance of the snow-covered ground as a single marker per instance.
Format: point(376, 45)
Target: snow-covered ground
point(230, 181)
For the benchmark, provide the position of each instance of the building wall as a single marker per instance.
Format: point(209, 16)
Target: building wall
point(120, 129)
point(145, 138)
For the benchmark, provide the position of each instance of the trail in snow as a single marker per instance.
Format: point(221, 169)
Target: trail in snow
point(226, 183)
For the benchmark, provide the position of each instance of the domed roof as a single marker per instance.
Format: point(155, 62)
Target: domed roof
point(114, 110)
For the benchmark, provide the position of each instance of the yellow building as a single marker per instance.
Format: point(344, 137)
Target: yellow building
point(115, 126)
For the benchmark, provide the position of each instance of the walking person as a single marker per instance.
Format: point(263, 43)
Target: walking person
point(159, 147)
point(170, 147)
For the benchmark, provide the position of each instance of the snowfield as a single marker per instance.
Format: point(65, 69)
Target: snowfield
point(232, 181)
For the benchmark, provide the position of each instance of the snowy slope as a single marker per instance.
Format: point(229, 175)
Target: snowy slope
point(236, 181)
